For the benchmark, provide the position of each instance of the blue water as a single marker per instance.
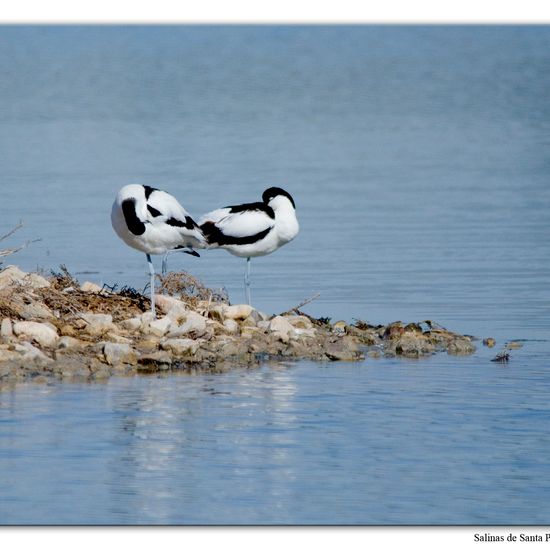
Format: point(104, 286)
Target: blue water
point(418, 159)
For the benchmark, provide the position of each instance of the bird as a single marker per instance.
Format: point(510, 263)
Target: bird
point(252, 229)
point(154, 222)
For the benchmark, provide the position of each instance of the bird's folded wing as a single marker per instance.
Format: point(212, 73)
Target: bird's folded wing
point(167, 205)
point(239, 224)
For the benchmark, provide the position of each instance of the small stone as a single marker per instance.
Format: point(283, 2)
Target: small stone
point(8, 355)
point(67, 330)
point(152, 361)
point(119, 353)
point(241, 311)
point(13, 275)
point(250, 321)
point(248, 332)
point(170, 306)
point(194, 324)
point(6, 328)
point(281, 328)
point(489, 342)
point(305, 332)
point(36, 311)
point(412, 344)
point(181, 346)
point(460, 346)
point(299, 321)
point(231, 326)
point(132, 324)
point(216, 313)
point(68, 342)
point(339, 327)
point(90, 287)
point(159, 327)
point(343, 350)
point(98, 324)
point(374, 354)
point(34, 354)
point(44, 334)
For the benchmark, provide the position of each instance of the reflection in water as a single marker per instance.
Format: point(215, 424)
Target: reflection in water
point(157, 425)
point(447, 441)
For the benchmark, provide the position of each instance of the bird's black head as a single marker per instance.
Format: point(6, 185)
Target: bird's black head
point(273, 192)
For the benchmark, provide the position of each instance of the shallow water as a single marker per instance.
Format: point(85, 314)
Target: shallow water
point(418, 159)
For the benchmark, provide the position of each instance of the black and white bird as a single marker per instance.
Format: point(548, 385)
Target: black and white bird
point(253, 229)
point(154, 222)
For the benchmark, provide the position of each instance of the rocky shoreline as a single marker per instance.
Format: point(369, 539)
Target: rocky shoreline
point(55, 327)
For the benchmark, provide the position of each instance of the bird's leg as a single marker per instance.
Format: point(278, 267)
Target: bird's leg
point(247, 281)
point(165, 264)
point(152, 272)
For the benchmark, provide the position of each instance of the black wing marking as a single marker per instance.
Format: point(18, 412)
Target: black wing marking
point(215, 236)
point(251, 206)
point(149, 190)
point(153, 211)
point(134, 224)
point(189, 223)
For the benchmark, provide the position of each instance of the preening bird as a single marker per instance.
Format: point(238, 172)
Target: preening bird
point(154, 222)
point(252, 229)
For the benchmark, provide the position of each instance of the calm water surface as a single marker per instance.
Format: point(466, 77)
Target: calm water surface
point(418, 158)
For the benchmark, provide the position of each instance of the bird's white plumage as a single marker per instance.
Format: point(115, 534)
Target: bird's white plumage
point(239, 224)
point(254, 229)
point(153, 222)
point(158, 236)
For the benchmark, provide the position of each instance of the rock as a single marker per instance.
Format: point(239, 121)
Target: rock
point(132, 324)
point(250, 321)
point(36, 311)
point(151, 362)
point(90, 287)
point(67, 330)
point(305, 332)
point(460, 346)
point(216, 313)
point(489, 342)
point(181, 346)
point(44, 334)
point(194, 324)
point(281, 328)
point(170, 306)
point(159, 327)
point(248, 332)
point(374, 354)
point(29, 352)
point(339, 327)
point(343, 349)
point(368, 337)
point(98, 324)
point(299, 321)
point(6, 328)
point(241, 311)
point(70, 343)
point(231, 326)
point(13, 275)
point(117, 338)
point(8, 355)
point(119, 353)
point(412, 344)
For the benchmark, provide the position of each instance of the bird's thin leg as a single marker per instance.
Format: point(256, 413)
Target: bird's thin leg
point(152, 272)
point(247, 281)
point(165, 264)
